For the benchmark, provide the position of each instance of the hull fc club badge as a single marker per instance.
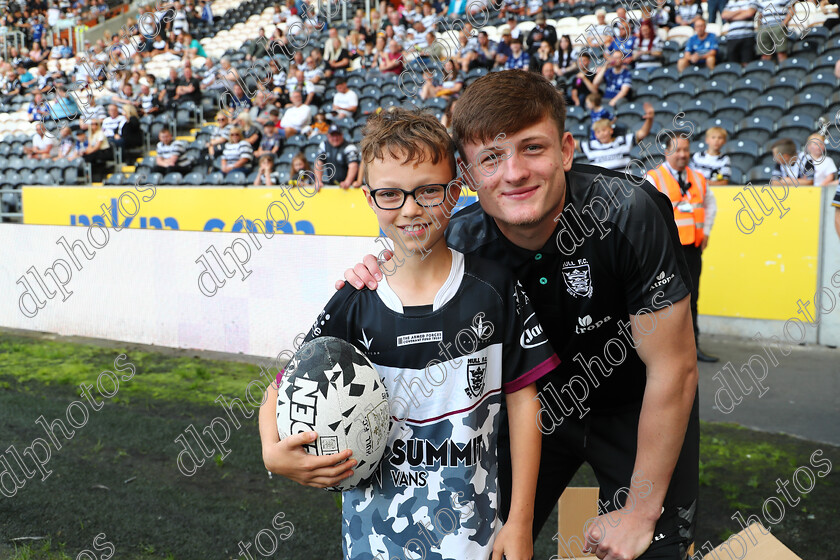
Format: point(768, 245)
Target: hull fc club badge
point(476, 370)
point(577, 278)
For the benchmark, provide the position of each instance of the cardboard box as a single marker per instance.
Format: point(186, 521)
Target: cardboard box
point(576, 506)
point(759, 546)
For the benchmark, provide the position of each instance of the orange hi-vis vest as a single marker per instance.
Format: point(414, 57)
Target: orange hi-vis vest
point(689, 224)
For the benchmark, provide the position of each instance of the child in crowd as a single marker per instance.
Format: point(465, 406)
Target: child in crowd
point(80, 146)
point(320, 125)
point(791, 168)
point(430, 289)
point(597, 111)
point(272, 141)
point(825, 170)
point(266, 175)
point(711, 163)
point(66, 144)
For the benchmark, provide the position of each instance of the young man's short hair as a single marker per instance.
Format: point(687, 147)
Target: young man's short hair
point(785, 146)
point(719, 131)
point(411, 135)
point(594, 98)
point(505, 102)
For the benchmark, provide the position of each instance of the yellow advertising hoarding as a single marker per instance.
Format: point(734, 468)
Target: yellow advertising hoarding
point(758, 275)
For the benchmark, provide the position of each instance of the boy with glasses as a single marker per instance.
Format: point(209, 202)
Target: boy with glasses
point(435, 493)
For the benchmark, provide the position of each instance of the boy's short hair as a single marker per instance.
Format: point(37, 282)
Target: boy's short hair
point(505, 102)
point(594, 98)
point(412, 135)
point(784, 146)
point(601, 123)
point(719, 131)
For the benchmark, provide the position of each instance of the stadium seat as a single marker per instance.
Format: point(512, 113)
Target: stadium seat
point(748, 86)
point(664, 76)
point(371, 90)
point(389, 101)
point(355, 82)
point(822, 82)
point(437, 102)
point(393, 90)
point(760, 174)
point(215, 178)
point(681, 92)
point(667, 107)
point(733, 108)
point(172, 178)
point(783, 86)
point(368, 105)
point(194, 178)
point(235, 177)
point(730, 71)
point(649, 92)
point(759, 68)
point(115, 179)
point(742, 153)
point(736, 176)
point(27, 177)
point(769, 105)
point(42, 177)
point(714, 90)
point(756, 128)
point(794, 66)
point(71, 175)
point(795, 126)
point(311, 152)
point(640, 75)
point(695, 75)
point(634, 109)
point(297, 140)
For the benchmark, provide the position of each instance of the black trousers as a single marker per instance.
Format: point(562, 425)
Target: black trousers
point(608, 443)
point(694, 259)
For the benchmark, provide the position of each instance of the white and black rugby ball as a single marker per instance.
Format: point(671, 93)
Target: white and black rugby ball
point(331, 388)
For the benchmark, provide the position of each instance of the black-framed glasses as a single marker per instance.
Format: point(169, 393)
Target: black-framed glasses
point(424, 195)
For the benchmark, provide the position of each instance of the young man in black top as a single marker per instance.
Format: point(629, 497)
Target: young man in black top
point(598, 254)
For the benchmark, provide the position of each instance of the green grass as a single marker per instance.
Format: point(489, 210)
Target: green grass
point(165, 515)
point(158, 377)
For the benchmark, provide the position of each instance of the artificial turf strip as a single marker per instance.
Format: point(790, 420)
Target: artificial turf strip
point(163, 514)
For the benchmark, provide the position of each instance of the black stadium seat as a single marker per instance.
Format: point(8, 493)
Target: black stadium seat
point(194, 178)
point(795, 126)
point(733, 108)
point(714, 90)
point(769, 105)
point(783, 86)
point(748, 86)
point(172, 178)
point(728, 70)
point(822, 82)
point(756, 128)
point(760, 174)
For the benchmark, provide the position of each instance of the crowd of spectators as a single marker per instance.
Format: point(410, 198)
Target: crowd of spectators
point(311, 97)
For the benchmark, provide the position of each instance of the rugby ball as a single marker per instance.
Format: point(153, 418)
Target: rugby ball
point(331, 388)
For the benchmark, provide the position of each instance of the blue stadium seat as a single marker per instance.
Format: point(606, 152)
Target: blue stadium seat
point(371, 90)
point(695, 75)
point(355, 81)
point(664, 76)
point(215, 178)
point(748, 86)
point(733, 108)
point(795, 126)
point(826, 62)
point(783, 86)
point(769, 105)
point(392, 89)
point(311, 151)
point(649, 92)
point(730, 71)
point(757, 128)
point(42, 177)
point(437, 102)
point(681, 92)
point(714, 90)
point(758, 68)
point(27, 177)
point(640, 75)
point(389, 101)
point(821, 82)
point(368, 105)
point(194, 178)
point(172, 178)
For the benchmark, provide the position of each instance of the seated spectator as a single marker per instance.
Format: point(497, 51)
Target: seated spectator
point(338, 60)
point(549, 74)
point(621, 20)
point(169, 154)
point(112, 125)
point(446, 117)
point(318, 126)
point(482, 57)
point(740, 39)
point(345, 101)
point(148, 101)
point(271, 142)
point(700, 47)
point(339, 156)
point(188, 88)
point(452, 83)
point(37, 109)
point(266, 176)
point(711, 163)
point(618, 84)
point(238, 153)
point(237, 102)
point(66, 144)
point(518, 59)
point(221, 135)
point(250, 132)
point(545, 53)
point(98, 149)
point(686, 11)
point(791, 168)
point(11, 86)
point(623, 43)
point(296, 116)
point(825, 170)
point(566, 57)
point(597, 111)
point(647, 51)
point(539, 33)
point(602, 32)
point(392, 62)
point(131, 135)
point(42, 145)
point(503, 50)
point(579, 88)
point(300, 170)
point(80, 146)
point(610, 152)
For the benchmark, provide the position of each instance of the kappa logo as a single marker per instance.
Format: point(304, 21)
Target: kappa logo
point(532, 336)
point(578, 278)
point(661, 280)
point(476, 373)
point(520, 297)
point(585, 324)
point(482, 329)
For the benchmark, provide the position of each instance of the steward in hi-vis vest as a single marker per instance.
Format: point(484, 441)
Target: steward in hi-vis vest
point(694, 212)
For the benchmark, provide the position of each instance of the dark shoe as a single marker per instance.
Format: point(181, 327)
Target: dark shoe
point(703, 357)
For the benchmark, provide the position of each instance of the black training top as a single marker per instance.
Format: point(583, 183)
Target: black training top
point(589, 277)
